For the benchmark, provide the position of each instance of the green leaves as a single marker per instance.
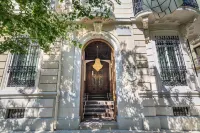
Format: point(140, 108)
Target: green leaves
point(35, 19)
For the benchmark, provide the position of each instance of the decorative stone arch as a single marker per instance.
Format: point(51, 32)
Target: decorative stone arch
point(115, 44)
point(110, 38)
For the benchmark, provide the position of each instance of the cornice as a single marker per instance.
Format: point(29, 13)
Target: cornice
point(168, 94)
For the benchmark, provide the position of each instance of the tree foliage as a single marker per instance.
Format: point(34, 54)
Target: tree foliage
point(21, 20)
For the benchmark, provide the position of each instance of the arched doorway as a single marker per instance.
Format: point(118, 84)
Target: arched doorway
point(98, 87)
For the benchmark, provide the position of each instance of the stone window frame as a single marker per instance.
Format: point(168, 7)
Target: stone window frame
point(176, 62)
point(175, 32)
point(21, 89)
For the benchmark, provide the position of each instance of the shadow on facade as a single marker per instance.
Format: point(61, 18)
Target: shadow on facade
point(139, 107)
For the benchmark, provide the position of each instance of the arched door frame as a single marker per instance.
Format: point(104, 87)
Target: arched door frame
point(112, 41)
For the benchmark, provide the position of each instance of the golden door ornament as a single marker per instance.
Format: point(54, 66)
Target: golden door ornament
point(97, 65)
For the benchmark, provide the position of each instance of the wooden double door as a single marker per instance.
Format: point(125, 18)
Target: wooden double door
point(97, 82)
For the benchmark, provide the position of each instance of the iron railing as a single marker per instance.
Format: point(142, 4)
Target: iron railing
point(172, 66)
point(181, 111)
point(16, 113)
point(22, 68)
point(173, 76)
point(191, 3)
point(138, 5)
point(55, 4)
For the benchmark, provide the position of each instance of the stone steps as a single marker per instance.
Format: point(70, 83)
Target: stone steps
point(97, 98)
point(98, 125)
point(99, 102)
point(98, 119)
point(98, 107)
point(98, 110)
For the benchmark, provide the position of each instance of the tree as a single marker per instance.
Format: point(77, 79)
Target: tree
point(22, 21)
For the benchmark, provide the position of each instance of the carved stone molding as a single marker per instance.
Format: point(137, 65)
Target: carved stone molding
point(183, 31)
point(97, 27)
point(145, 22)
point(195, 41)
point(187, 29)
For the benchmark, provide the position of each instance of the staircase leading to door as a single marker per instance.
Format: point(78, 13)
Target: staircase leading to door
point(98, 107)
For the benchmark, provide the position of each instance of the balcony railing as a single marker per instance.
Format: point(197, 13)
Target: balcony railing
point(107, 5)
point(138, 5)
point(191, 3)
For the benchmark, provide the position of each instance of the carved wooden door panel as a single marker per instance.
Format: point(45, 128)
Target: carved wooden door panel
point(97, 82)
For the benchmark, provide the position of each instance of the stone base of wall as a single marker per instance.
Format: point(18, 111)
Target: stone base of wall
point(109, 131)
point(68, 123)
point(25, 124)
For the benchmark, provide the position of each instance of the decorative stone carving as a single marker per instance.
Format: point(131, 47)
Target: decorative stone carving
point(187, 30)
point(131, 73)
point(183, 31)
point(98, 27)
point(145, 22)
point(195, 41)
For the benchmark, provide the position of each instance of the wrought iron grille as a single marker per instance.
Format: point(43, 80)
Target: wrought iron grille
point(15, 113)
point(172, 66)
point(138, 5)
point(181, 111)
point(22, 68)
point(191, 3)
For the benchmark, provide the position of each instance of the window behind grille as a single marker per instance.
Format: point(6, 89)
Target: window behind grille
point(22, 68)
point(15, 113)
point(181, 111)
point(172, 67)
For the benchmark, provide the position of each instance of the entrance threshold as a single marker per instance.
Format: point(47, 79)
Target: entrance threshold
point(101, 125)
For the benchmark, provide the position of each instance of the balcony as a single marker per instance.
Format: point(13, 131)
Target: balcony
point(101, 11)
point(139, 8)
point(191, 3)
point(66, 6)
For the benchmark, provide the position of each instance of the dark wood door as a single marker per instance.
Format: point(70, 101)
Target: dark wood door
point(97, 82)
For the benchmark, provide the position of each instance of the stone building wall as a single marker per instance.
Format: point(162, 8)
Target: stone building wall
point(143, 103)
point(3, 59)
point(38, 102)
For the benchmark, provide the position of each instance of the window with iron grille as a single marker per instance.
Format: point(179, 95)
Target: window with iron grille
point(181, 111)
point(15, 113)
point(172, 66)
point(22, 68)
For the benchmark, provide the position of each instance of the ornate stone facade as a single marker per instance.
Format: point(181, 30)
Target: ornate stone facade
point(143, 102)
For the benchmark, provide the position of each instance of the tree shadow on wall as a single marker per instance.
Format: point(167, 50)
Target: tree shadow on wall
point(134, 79)
point(161, 100)
point(164, 99)
point(39, 107)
